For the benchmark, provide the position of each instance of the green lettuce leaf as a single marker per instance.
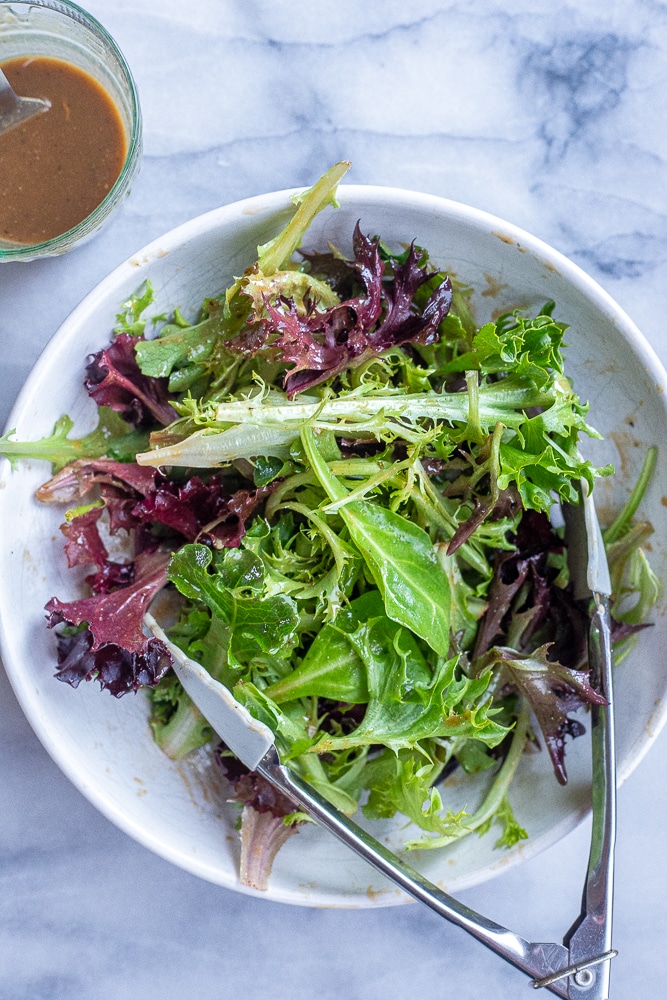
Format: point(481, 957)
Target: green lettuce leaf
point(400, 556)
point(403, 782)
point(408, 703)
point(113, 437)
point(231, 583)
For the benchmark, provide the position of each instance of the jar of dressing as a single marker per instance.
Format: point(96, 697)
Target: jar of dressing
point(63, 172)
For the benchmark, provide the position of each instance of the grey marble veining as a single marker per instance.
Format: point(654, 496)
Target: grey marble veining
point(550, 115)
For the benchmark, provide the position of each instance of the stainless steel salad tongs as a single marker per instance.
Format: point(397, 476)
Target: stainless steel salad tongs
point(578, 968)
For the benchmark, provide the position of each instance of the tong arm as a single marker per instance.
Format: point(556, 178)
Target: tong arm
point(591, 932)
point(538, 960)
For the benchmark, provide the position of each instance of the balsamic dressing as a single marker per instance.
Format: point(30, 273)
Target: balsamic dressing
point(56, 168)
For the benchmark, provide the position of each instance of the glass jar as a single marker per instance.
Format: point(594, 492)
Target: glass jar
point(57, 29)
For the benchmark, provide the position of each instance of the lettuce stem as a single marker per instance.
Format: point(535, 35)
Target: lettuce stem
point(622, 522)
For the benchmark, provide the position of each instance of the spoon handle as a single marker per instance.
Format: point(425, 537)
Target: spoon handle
point(15, 110)
point(8, 98)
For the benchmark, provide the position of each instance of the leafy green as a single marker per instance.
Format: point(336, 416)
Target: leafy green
point(129, 318)
point(178, 725)
point(537, 454)
point(112, 437)
point(530, 346)
point(277, 252)
point(513, 832)
point(403, 783)
point(635, 586)
point(396, 604)
point(230, 584)
point(331, 667)
point(293, 738)
point(181, 351)
point(494, 805)
point(400, 556)
point(405, 706)
point(551, 689)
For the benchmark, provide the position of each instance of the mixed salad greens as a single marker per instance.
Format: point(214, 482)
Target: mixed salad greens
point(346, 487)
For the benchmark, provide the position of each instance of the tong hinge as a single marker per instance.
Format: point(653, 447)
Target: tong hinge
point(573, 970)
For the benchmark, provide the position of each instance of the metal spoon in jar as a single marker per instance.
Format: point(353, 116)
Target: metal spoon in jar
point(15, 110)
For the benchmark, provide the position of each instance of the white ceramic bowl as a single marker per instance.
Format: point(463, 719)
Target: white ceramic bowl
point(105, 746)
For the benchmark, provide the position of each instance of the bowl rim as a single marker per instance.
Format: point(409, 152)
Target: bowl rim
point(274, 201)
point(270, 204)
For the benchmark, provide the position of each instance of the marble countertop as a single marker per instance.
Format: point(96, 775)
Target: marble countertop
point(549, 115)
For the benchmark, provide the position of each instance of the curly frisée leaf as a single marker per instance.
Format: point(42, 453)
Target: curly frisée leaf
point(513, 832)
point(402, 782)
point(129, 317)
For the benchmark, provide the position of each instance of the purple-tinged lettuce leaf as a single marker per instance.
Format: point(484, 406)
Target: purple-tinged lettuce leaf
point(262, 836)
point(268, 820)
point(321, 344)
point(114, 379)
point(501, 594)
point(401, 322)
point(110, 576)
point(201, 511)
point(117, 670)
point(108, 644)
point(252, 789)
point(135, 500)
point(623, 630)
point(525, 606)
point(78, 478)
point(552, 691)
point(333, 268)
point(117, 617)
point(121, 486)
point(84, 545)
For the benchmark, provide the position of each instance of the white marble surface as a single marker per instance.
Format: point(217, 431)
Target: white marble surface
point(551, 115)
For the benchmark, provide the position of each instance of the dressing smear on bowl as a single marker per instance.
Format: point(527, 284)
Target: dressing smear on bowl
point(56, 168)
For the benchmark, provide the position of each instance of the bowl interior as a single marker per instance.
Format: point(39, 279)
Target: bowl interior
point(105, 746)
